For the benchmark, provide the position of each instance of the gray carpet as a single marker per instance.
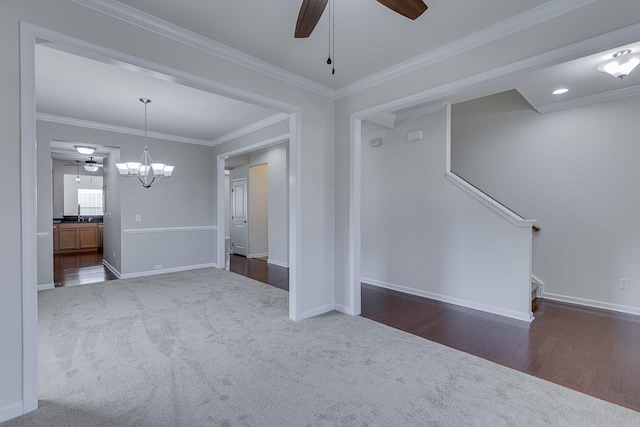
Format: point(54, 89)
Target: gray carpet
point(208, 347)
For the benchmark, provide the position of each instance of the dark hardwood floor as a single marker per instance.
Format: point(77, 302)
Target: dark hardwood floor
point(260, 270)
point(79, 269)
point(593, 351)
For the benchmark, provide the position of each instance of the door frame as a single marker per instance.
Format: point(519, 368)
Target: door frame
point(30, 35)
point(246, 214)
point(294, 204)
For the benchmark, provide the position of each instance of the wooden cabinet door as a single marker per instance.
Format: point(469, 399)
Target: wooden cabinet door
point(67, 238)
point(88, 238)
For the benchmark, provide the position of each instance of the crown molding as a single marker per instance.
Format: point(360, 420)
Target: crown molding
point(494, 32)
point(590, 99)
point(119, 129)
point(164, 28)
point(276, 118)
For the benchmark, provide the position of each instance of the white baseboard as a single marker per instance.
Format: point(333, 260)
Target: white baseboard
point(45, 287)
point(317, 311)
point(11, 411)
point(167, 270)
point(591, 303)
point(262, 255)
point(343, 309)
point(111, 268)
point(278, 263)
point(525, 317)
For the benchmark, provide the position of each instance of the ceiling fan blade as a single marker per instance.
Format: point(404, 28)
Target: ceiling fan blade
point(310, 13)
point(412, 9)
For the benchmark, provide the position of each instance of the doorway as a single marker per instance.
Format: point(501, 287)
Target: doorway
point(30, 36)
point(256, 203)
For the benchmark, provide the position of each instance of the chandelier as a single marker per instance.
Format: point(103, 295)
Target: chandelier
point(145, 171)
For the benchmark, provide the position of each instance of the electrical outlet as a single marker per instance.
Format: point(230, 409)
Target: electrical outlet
point(138, 217)
point(376, 265)
point(114, 255)
point(158, 266)
point(624, 284)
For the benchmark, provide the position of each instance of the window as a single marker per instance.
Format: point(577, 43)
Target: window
point(90, 201)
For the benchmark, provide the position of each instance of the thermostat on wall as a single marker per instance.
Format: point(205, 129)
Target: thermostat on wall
point(375, 142)
point(415, 135)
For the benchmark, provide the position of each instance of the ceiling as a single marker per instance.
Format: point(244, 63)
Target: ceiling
point(579, 76)
point(264, 29)
point(69, 85)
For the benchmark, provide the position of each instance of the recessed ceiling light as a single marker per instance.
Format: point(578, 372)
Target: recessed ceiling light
point(82, 149)
point(560, 91)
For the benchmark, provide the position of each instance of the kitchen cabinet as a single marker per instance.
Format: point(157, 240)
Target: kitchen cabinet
point(75, 236)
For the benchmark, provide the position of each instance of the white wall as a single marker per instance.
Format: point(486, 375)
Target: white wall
point(258, 211)
point(44, 214)
point(421, 234)
point(277, 160)
point(575, 171)
point(112, 218)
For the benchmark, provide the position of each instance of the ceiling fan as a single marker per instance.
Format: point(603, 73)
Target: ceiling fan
point(311, 11)
point(89, 165)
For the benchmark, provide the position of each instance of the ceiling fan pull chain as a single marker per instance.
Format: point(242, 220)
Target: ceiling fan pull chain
point(329, 58)
point(333, 33)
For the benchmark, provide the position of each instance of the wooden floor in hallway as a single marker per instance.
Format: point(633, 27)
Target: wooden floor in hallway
point(593, 351)
point(79, 269)
point(260, 270)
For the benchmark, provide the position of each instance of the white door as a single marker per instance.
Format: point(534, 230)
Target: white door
point(239, 230)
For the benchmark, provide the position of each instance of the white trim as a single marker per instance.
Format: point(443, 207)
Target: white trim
point(420, 111)
point(591, 303)
point(46, 287)
point(538, 281)
point(167, 270)
point(111, 268)
point(343, 309)
point(317, 311)
point(590, 99)
point(166, 29)
point(10, 411)
point(118, 129)
point(259, 145)
point(43, 235)
point(261, 255)
point(509, 215)
point(276, 118)
point(28, 188)
point(529, 18)
point(278, 263)
point(355, 205)
point(168, 229)
point(450, 300)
